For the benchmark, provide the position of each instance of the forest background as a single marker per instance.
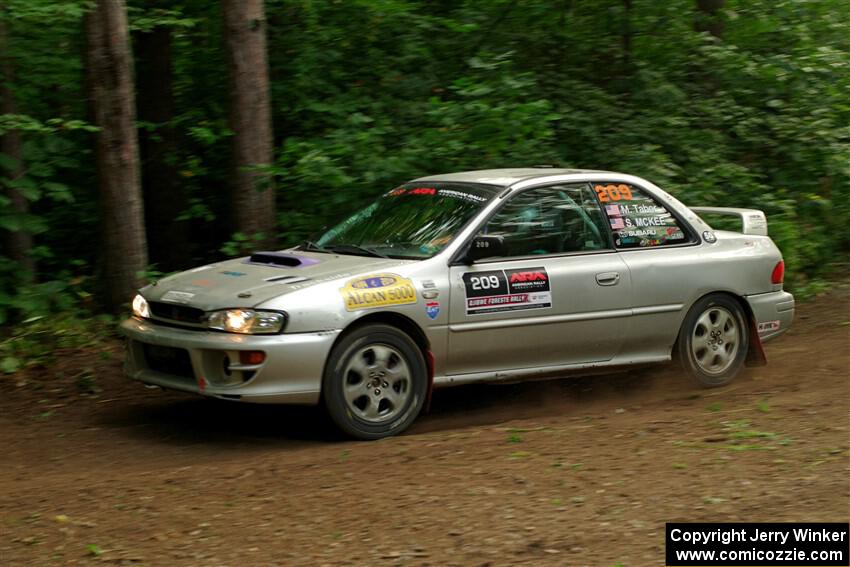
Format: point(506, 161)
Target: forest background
point(143, 138)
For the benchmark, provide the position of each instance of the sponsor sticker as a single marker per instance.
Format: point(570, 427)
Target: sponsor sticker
point(767, 326)
point(507, 290)
point(232, 273)
point(379, 290)
point(177, 296)
point(432, 309)
point(429, 290)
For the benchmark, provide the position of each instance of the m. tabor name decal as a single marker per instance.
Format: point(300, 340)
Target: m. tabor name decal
point(507, 290)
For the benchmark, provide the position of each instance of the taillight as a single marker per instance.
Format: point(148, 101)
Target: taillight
point(778, 274)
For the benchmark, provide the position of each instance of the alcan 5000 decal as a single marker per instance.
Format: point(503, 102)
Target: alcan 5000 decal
point(507, 290)
point(379, 290)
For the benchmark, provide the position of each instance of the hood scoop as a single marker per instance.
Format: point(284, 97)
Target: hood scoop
point(280, 260)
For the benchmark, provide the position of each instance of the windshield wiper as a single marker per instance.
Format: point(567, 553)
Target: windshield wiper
point(310, 245)
point(356, 249)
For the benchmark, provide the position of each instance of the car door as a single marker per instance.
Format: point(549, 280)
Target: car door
point(658, 249)
point(557, 294)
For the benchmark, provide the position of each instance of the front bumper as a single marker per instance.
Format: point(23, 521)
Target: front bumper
point(208, 363)
point(773, 313)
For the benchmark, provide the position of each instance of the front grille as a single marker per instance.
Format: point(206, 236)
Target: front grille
point(169, 360)
point(179, 313)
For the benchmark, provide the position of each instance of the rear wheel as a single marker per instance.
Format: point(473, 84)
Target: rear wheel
point(713, 340)
point(375, 382)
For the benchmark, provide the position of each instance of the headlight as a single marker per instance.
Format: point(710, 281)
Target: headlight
point(247, 321)
point(140, 307)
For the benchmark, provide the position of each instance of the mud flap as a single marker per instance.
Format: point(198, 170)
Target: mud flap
point(429, 362)
point(755, 354)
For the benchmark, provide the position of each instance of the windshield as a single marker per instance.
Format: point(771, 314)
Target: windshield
point(416, 220)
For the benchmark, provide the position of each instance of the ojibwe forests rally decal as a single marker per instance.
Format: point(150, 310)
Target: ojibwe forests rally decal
point(507, 290)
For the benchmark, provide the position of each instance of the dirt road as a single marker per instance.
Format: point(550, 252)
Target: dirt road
point(581, 471)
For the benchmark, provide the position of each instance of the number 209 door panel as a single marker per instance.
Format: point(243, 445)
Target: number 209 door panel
point(537, 312)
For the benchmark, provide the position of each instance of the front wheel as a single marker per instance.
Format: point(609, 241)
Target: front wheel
point(713, 340)
point(375, 382)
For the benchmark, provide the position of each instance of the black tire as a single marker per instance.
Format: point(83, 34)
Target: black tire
point(713, 340)
point(375, 382)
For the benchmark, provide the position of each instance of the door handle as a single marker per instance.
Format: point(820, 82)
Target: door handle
point(608, 278)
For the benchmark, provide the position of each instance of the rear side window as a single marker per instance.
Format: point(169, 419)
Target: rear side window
point(636, 219)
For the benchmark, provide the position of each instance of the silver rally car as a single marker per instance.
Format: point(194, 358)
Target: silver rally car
point(480, 276)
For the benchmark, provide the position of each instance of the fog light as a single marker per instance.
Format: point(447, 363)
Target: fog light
point(251, 356)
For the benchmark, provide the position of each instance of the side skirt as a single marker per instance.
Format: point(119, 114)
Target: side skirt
point(547, 372)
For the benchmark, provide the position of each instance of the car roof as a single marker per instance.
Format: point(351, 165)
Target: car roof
point(503, 177)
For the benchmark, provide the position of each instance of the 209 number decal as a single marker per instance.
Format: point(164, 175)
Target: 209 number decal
point(612, 192)
point(484, 282)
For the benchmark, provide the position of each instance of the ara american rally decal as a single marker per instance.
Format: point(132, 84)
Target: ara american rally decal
point(507, 290)
point(377, 290)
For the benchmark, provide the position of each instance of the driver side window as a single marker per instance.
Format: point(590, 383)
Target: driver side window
point(550, 220)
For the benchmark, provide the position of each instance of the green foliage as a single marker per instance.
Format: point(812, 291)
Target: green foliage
point(42, 340)
point(38, 321)
point(241, 244)
point(757, 119)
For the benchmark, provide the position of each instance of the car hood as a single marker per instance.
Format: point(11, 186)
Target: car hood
point(250, 281)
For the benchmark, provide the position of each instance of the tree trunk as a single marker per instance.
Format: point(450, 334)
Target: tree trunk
point(168, 238)
point(18, 242)
point(708, 18)
point(110, 83)
point(250, 118)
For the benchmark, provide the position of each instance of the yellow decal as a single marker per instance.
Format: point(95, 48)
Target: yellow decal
point(377, 290)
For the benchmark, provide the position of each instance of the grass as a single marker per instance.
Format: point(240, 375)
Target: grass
point(738, 435)
point(739, 431)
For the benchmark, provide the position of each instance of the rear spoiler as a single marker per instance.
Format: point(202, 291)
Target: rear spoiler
point(753, 221)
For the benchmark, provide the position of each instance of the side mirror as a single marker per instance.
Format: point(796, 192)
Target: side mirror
point(484, 246)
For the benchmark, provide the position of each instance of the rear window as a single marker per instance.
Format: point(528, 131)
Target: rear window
point(636, 219)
